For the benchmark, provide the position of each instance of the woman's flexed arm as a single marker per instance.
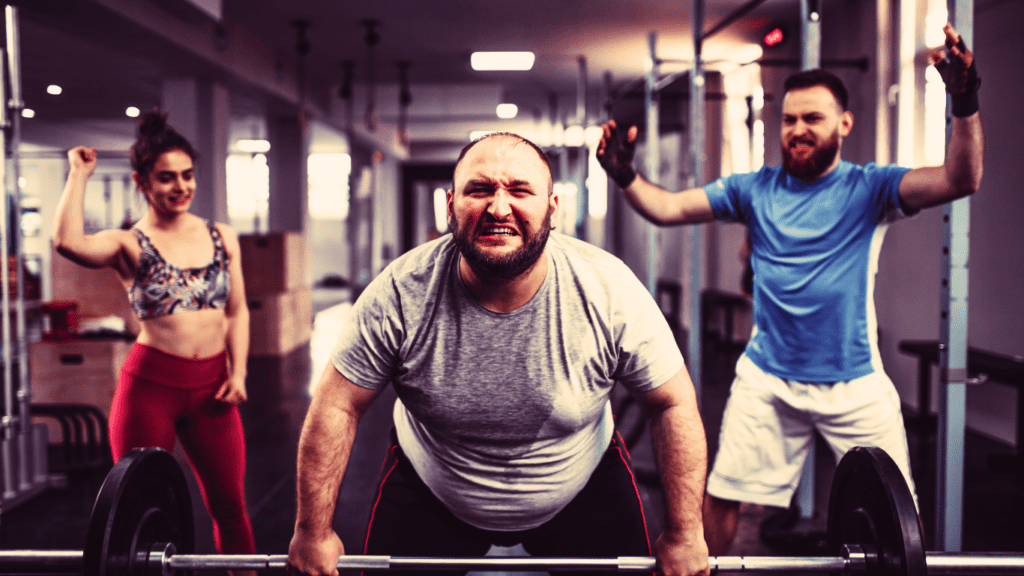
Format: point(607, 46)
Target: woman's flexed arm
point(69, 237)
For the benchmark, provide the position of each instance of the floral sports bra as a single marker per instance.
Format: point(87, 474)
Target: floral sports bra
point(161, 288)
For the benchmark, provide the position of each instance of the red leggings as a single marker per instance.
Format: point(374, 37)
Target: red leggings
point(160, 395)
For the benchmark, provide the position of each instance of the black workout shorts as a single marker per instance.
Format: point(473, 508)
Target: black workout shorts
point(604, 520)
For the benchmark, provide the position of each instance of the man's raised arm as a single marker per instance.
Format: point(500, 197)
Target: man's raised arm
point(960, 174)
point(615, 153)
point(324, 448)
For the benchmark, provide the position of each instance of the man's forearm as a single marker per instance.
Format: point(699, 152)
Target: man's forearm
point(681, 451)
point(964, 157)
point(324, 449)
point(650, 200)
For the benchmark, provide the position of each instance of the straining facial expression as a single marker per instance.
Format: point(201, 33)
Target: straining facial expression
point(501, 206)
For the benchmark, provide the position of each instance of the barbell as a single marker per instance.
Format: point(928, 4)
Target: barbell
point(142, 525)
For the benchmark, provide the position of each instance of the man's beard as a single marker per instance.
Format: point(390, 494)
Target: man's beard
point(510, 265)
point(815, 164)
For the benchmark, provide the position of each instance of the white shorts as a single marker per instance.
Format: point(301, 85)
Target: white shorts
point(769, 423)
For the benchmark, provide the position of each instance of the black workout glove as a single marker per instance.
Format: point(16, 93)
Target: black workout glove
point(960, 76)
point(616, 157)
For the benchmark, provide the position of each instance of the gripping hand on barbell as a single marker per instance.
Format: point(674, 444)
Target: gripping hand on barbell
point(682, 556)
point(314, 555)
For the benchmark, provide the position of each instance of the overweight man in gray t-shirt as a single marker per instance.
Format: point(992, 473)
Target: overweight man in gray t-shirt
point(503, 343)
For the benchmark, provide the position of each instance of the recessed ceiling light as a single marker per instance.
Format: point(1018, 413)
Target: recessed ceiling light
point(507, 111)
point(28, 113)
point(501, 60)
point(132, 112)
point(54, 89)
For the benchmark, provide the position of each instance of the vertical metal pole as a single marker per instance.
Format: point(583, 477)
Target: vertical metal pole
point(810, 28)
point(581, 92)
point(563, 169)
point(653, 157)
point(810, 58)
point(126, 197)
point(9, 419)
point(956, 220)
point(695, 234)
point(611, 222)
point(581, 152)
point(108, 201)
point(16, 106)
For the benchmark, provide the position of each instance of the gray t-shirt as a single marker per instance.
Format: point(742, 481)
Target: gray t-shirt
point(505, 416)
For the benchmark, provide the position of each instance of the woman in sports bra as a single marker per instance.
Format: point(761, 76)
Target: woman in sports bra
point(185, 375)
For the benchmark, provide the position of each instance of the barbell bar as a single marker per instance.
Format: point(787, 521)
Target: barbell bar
point(163, 561)
point(142, 525)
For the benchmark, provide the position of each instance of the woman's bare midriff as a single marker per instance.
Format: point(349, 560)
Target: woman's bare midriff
point(193, 334)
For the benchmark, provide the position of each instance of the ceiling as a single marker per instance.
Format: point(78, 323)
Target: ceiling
point(105, 66)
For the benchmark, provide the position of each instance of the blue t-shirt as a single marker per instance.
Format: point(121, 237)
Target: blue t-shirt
point(814, 254)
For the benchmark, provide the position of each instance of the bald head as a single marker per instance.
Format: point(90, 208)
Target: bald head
point(505, 142)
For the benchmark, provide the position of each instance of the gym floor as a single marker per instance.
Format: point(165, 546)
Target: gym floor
point(278, 389)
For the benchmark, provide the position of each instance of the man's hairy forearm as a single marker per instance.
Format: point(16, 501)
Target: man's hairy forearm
point(324, 448)
point(966, 152)
point(681, 451)
point(650, 200)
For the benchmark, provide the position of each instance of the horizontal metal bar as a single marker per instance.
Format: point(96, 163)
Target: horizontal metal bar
point(505, 563)
point(974, 564)
point(939, 563)
point(777, 563)
point(40, 561)
point(860, 63)
point(736, 15)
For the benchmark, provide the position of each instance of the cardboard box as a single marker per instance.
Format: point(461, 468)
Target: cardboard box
point(273, 263)
point(76, 371)
point(280, 323)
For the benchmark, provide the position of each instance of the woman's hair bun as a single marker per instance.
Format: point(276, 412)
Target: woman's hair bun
point(152, 123)
point(154, 138)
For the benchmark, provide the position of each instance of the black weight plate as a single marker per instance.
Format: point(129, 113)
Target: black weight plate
point(144, 500)
point(871, 505)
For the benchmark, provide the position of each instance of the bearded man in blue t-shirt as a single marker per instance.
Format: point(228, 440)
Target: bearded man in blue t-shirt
point(816, 225)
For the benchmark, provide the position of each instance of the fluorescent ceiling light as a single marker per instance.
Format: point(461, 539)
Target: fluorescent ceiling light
point(54, 89)
point(501, 60)
point(253, 145)
point(507, 111)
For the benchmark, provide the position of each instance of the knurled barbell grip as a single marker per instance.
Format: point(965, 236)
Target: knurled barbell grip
point(777, 563)
point(506, 563)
